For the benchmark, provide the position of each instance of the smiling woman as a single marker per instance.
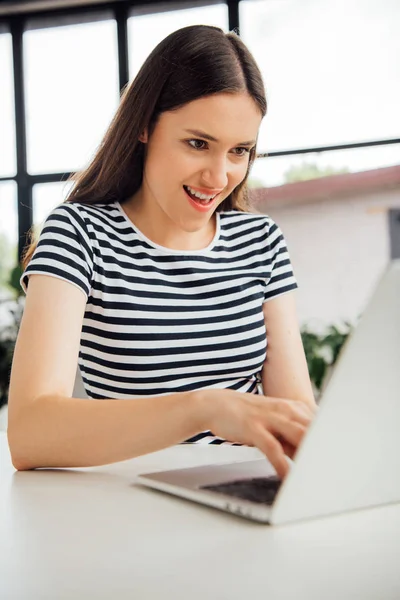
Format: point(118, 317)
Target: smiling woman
point(158, 279)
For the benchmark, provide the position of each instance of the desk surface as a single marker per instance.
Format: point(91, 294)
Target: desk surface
point(89, 533)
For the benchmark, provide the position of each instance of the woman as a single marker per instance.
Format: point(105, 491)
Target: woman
point(155, 275)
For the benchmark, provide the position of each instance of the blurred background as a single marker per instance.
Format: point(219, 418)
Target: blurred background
point(329, 149)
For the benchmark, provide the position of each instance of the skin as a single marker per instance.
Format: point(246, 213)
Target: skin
point(160, 209)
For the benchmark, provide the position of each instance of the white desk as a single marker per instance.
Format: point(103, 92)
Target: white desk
point(88, 533)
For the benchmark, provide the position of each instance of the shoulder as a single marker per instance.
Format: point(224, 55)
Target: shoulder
point(258, 225)
point(86, 211)
point(80, 224)
point(89, 218)
point(240, 218)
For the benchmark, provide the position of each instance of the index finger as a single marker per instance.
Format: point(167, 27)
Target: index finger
point(269, 445)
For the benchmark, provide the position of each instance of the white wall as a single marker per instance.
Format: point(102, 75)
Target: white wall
point(339, 247)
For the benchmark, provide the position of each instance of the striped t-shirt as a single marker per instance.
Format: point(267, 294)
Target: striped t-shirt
point(157, 320)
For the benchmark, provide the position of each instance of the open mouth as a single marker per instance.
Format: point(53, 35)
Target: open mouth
point(201, 201)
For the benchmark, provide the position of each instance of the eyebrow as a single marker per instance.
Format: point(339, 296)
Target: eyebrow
point(210, 138)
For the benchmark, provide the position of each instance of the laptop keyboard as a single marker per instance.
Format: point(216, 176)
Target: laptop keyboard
point(261, 490)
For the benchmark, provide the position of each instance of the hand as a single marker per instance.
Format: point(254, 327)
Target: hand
point(275, 426)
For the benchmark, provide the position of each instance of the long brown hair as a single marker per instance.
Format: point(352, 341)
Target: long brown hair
point(191, 63)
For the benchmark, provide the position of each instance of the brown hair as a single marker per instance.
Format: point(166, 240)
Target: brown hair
point(191, 63)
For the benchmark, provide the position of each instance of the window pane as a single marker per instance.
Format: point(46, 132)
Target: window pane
point(278, 170)
point(331, 69)
point(71, 91)
point(8, 233)
point(7, 120)
point(45, 197)
point(146, 31)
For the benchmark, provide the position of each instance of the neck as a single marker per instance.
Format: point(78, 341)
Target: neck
point(159, 228)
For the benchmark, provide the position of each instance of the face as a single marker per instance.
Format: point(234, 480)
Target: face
point(201, 149)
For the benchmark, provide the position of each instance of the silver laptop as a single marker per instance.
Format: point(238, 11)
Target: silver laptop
point(350, 457)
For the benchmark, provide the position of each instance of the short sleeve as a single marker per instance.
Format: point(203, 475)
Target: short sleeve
point(282, 278)
point(63, 250)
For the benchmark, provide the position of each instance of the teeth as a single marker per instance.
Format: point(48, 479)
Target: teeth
point(200, 196)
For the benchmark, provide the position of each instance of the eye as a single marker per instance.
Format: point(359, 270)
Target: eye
point(242, 151)
point(197, 144)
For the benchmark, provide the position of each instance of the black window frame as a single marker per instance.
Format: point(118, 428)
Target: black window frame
point(15, 22)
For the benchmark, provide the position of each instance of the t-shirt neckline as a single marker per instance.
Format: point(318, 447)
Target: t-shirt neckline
point(164, 248)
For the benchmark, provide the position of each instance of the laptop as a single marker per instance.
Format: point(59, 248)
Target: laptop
point(350, 456)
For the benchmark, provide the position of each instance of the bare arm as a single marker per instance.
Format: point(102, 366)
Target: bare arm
point(47, 427)
point(285, 373)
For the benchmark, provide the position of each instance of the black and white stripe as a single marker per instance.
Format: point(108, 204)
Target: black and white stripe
point(159, 321)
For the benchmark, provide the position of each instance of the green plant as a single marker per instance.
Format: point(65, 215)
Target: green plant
point(322, 351)
point(8, 337)
point(13, 282)
point(8, 334)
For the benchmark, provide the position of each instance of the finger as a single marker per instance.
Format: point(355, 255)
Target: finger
point(307, 409)
point(273, 450)
point(288, 449)
point(291, 431)
point(293, 410)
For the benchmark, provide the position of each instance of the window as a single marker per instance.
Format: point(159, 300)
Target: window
point(8, 233)
point(72, 92)
point(330, 80)
point(147, 30)
point(394, 228)
point(330, 69)
point(273, 171)
point(7, 121)
point(45, 197)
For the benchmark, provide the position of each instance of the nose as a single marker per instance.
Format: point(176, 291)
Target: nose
point(215, 175)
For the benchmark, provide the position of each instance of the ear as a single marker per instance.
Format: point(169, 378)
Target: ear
point(144, 137)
